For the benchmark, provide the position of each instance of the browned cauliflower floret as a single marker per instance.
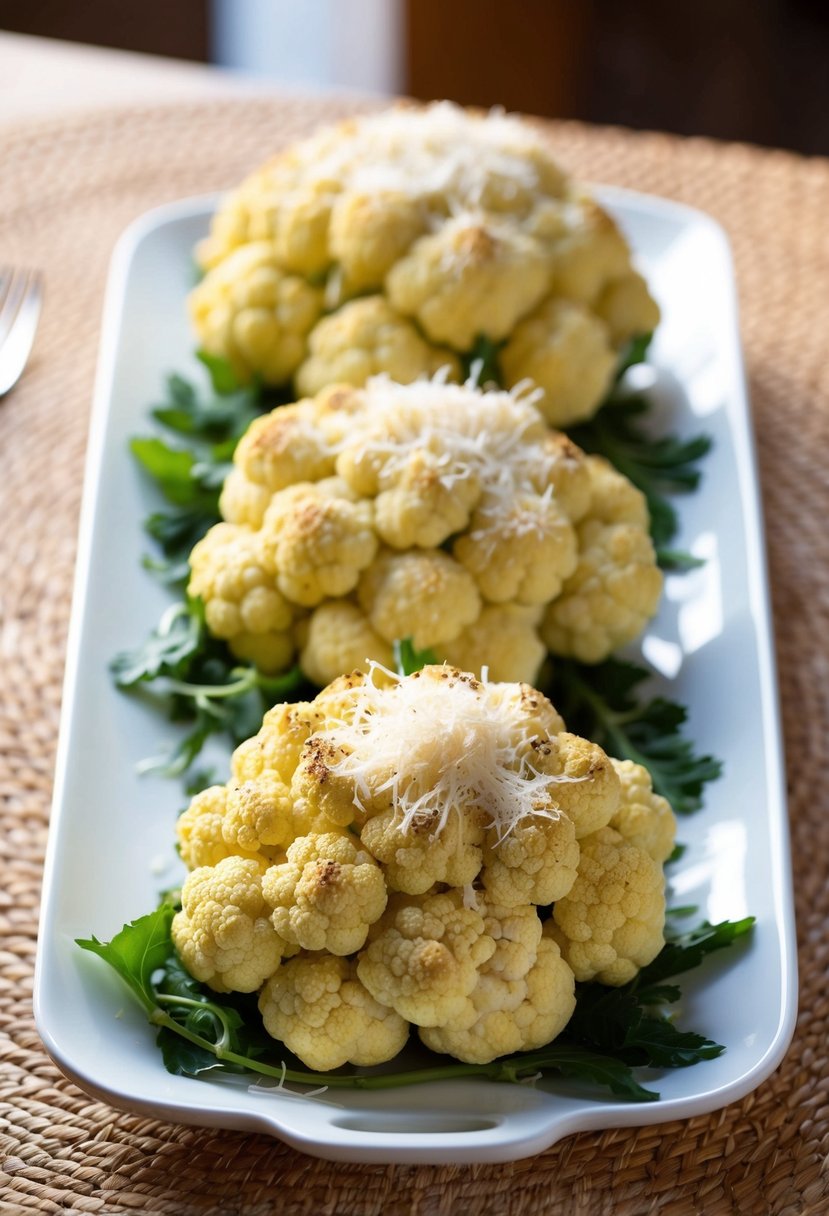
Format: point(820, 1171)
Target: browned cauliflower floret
point(317, 542)
point(519, 548)
point(504, 640)
point(565, 350)
point(423, 956)
point(524, 997)
point(528, 715)
point(278, 744)
point(336, 638)
point(326, 894)
point(535, 863)
point(644, 818)
point(586, 785)
point(250, 312)
point(611, 924)
point(365, 338)
point(614, 590)
point(320, 787)
point(424, 507)
point(284, 447)
point(371, 231)
point(261, 815)
point(589, 253)
point(223, 931)
point(475, 275)
point(422, 852)
point(423, 595)
point(319, 1009)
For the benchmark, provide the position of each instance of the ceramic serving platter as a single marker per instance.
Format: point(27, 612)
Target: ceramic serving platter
point(111, 841)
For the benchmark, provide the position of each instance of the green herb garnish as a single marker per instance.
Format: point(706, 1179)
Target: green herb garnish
point(611, 1030)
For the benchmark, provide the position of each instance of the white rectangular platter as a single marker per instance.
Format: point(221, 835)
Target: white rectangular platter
point(111, 842)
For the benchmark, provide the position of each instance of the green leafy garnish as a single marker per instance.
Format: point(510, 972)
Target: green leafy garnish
point(482, 362)
point(408, 660)
point(604, 703)
point(635, 351)
point(659, 466)
point(621, 1020)
point(199, 681)
point(611, 1031)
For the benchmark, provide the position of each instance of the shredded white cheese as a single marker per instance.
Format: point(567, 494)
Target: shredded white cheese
point(436, 742)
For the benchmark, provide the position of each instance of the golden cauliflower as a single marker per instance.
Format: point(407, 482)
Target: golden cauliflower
point(523, 998)
point(326, 894)
point(420, 230)
point(611, 923)
point(380, 858)
point(433, 511)
point(319, 1009)
point(223, 931)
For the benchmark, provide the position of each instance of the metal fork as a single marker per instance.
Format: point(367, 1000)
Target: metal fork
point(21, 294)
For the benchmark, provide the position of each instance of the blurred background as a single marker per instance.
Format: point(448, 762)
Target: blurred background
point(755, 70)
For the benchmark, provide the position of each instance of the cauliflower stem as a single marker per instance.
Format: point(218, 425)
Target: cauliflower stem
point(610, 1031)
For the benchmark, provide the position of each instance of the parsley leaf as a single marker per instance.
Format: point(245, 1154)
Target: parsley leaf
point(612, 1030)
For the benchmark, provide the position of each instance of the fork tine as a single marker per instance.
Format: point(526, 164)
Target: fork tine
point(15, 290)
point(19, 315)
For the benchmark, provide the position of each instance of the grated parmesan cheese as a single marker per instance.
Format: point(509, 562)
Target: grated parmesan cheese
point(436, 742)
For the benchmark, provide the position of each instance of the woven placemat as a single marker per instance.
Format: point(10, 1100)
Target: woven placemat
point(67, 189)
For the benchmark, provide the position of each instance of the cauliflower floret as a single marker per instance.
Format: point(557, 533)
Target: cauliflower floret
point(317, 542)
point(424, 595)
point(417, 855)
point(627, 308)
point(336, 638)
point(251, 313)
point(529, 715)
point(524, 997)
point(614, 590)
point(327, 893)
point(223, 931)
point(518, 548)
point(536, 862)
point(261, 815)
point(565, 350)
point(302, 220)
point(424, 507)
point(423, 956)
point(270, 652)
point(235, 576)
point(611, 924)
point(644, 818)
point(336, 702)
point(504, 639)
point(319, 1009)
point(365, 338)
point(588, 787)
point(475, 275)
point(284, 447)
point(243, 501)
point(320, 788)
point(564, 470)
point(199, 830)
point(590, 253)
point(278, 744)
point(370, 231)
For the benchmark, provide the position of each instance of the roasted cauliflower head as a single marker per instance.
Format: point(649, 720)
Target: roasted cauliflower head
point(397, 242)
point(445, 513)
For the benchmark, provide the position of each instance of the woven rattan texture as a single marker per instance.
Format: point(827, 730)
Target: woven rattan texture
point(67, 189)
